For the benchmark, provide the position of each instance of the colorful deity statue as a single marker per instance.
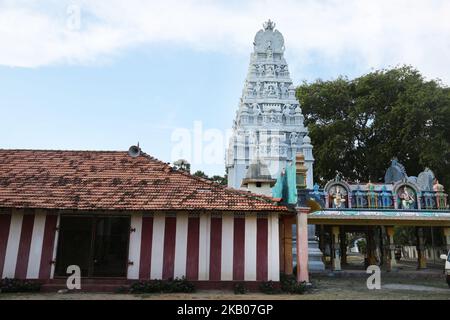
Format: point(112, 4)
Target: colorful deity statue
point(359, 197)
point(385, 197)
point(441, 197)
point(338, 199)
point(372, 197)
point(407, 198)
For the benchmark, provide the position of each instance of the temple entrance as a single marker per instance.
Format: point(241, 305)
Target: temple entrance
point(98, 245)
point(391, 247)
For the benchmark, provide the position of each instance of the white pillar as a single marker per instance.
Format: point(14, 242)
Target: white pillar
point(273, 270)
point(392, 263)
point(302, 245)
point(336, 250)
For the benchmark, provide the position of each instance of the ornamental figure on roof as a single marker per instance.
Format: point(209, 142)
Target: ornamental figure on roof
point(339, 199)
point(407, 198)
point(441, 197)
point(269, 25)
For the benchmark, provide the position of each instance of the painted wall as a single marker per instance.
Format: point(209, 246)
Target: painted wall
point(200, 247)
point(27, 244)
point(205, 247)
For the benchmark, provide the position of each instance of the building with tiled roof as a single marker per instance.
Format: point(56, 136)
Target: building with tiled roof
point(112, 180)
point(129, 216)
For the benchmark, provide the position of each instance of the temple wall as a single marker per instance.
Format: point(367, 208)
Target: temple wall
point(204, 247)
point(27, 244)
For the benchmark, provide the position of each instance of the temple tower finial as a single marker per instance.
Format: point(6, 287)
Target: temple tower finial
point(268, 25)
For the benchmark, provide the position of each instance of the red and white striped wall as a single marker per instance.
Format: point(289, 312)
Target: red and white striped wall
point(27, 244)
point(215, 247)
point(222, 247)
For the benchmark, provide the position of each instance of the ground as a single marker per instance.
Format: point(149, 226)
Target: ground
point(325, 287)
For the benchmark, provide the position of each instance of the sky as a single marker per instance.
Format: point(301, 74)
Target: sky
point(106, 74)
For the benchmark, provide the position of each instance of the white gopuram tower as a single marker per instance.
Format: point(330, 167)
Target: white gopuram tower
point(268, 128)
point(269, 121)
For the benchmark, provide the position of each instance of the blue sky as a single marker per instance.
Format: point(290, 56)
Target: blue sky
point(138, 72)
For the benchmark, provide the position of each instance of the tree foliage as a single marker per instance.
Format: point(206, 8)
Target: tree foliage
point(216, 178)
point(357, 126)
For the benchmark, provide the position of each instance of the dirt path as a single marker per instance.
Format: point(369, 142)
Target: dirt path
point(324, 289)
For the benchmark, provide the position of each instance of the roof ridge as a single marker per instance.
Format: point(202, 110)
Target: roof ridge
point(64, 150)
point(248, 194)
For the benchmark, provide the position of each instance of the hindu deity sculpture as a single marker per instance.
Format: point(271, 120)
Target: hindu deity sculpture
point(407, 198)
point(372, 197)
point(441, 197)
point(338, 200)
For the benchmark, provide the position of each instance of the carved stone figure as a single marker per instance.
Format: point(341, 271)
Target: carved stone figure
point(407, 198)
point(293, 137)
point(437, 187)
point(283, 90)
point(338, 199)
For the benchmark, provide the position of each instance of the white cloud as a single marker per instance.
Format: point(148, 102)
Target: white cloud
point(372, 33)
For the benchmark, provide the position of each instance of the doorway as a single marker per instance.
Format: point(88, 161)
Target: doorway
point(98, 245)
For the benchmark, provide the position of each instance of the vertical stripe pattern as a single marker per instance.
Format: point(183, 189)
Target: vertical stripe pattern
point(261, 249)
point(134, 250)
point(169, 248)
point(193, 248)
point(215, 255)
point(222, 247)
point(24, 246)
point(12, 249)
point(239, 248)
point(227, 247)
point(36, 245)
point(47, 246)
point(156, 269)
point(146, 247)
point(5, 222)
point(204, 247)
point(181, 245)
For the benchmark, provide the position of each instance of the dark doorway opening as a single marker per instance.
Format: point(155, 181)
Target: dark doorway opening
point(98, 245)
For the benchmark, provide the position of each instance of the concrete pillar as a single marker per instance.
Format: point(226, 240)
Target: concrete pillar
point(343, 245)
point(335, 249)
point(421, 257)
point(391, 262)
point(281, 241)
point(371, 246)
point(287, 244)
point(302, 245)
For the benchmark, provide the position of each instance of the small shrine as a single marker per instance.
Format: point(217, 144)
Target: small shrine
point(374, 210)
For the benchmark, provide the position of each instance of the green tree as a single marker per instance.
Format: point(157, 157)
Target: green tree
point(357, 126)
point(201, 174)
point(220, 180)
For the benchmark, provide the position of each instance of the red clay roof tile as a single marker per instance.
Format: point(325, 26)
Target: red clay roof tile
point(112, 180)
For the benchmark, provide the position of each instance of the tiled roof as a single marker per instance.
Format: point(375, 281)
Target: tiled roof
point(112, 180)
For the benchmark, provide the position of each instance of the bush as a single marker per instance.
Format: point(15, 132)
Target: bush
point(163, 286)
point(269, 287)
point(239, 288)
point(17, 285)
point(289, 284)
